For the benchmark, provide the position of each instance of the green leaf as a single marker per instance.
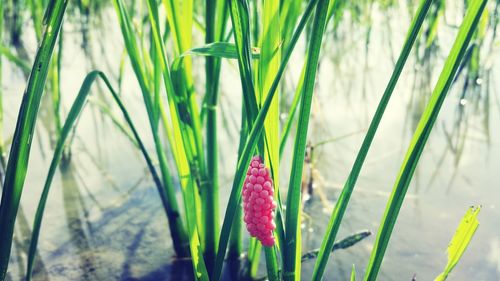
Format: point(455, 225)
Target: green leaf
point(215, 25)
point(353, 273)
point(17, 165)
point(218, 49)
point(4, 51)
point(68, 127)
point(292, 249)
point(343, 201)
point(465, 231)
point(183, 131)
point(246, 155)
point(141, 65)
point(241, 25)
point(345, 243)
point(421, 135)
point(268, 67)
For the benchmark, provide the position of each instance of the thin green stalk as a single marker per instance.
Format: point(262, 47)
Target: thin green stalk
point(106, 110)
point(56, 85)
point(192, 151)
point(236, 239)
point(292, 251)
point(13, 58)
point(254, 251)
point(244, 160)
point(240, 18)
point(293, 109)
point(36, 14)
point(17, 165)
point(180, 19)
point(179, 235)
point(241, 25)
point(289, 14)
point(211, 197)
point(343, 201)
point(421, 135)
point(272, 263)
point(213, 32)
point(68, 127)
point(268, 66)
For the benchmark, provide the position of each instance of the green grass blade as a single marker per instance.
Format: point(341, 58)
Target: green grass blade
point(187, 183)
point(343, 201)
point(280, 229)
point(268, 67)
point(17, 165)
point(106, 110)
point(240, 19)
point(219, 50)
point(213, 66)
point(139, 59)
point(345, 243)
point(292, 250)
point(212, 72)
point(463, 235)
point(353, 273)
point(236, 236)
point(246, 155)
point(253, 257)
point(421, 135)
point(271, 263)
point(291, 113)
point(241, 27)
point(4, 51)
point(68, 127)
point(180, 20)
point(289, 14)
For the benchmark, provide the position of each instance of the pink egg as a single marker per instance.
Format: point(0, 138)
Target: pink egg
point(260, 180)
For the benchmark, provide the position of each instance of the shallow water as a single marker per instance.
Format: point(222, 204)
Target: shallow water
point(104, 220)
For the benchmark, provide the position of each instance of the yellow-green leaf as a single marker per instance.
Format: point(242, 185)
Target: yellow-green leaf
point(460, 240)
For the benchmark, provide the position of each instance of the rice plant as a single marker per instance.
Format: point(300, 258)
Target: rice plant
point(164, 43)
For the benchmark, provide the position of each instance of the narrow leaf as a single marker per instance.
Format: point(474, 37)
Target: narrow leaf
point(460, 240)
point(421, 135)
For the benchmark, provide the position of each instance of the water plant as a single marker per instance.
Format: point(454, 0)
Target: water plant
point(159, 43)
point(15, 172)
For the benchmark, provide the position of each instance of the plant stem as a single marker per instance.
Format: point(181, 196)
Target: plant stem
point(292, 251)
point(421, 136)
point(19, 154)
point(342, 202)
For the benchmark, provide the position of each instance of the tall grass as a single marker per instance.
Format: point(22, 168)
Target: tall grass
point(251, 143)
point(17, 165)
point(421, 135)
point(68, 127)
point(260, 37)
point(178, 232)
point(215, 25)
point(291, 262)
point(342, 202)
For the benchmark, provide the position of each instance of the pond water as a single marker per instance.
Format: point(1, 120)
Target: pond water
point(104, 219)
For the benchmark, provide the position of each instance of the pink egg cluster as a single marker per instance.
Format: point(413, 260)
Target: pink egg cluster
point(258, 202)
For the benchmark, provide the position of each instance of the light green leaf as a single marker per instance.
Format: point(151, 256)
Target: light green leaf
point(460, 240)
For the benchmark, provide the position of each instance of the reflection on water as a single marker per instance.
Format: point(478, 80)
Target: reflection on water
point(104, 219)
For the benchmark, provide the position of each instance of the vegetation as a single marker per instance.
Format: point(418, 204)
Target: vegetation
point(160, 40)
